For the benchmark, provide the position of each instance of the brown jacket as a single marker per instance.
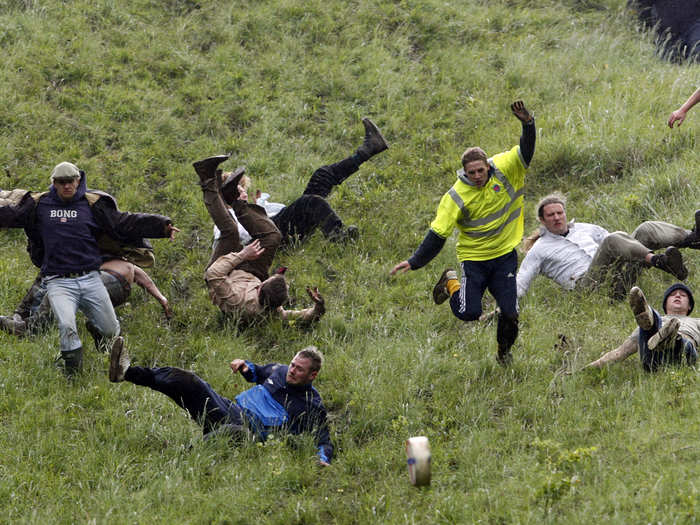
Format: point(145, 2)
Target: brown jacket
point(236, 291)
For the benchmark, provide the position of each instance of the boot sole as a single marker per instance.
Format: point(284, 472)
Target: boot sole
point(640, 309)
point(114, 361)
point(668, 330)
point(381, 141)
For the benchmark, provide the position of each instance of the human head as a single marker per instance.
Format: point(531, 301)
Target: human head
point(273, 292)
point(65, 177)
point(305, 366)
point(476, 166)
point(678, 303)
point(245, 180)
point(551, 212)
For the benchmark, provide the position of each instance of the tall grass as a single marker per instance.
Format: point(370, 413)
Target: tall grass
point(133, 92)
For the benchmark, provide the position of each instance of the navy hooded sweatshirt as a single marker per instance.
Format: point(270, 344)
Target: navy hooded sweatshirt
point(69, 233)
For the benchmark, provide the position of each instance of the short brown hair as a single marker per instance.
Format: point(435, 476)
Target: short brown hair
point(314, 355)
point(273, 292)
point(552, 198)
point(472, 154)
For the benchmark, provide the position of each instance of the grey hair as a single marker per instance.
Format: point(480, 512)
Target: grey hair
point(314, 355)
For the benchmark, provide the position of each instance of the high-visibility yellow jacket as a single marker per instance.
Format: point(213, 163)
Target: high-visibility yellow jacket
point(490, 218)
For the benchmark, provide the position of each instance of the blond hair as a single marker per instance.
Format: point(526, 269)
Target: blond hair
point(552, 198)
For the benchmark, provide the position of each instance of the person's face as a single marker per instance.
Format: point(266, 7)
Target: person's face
point(678, 303)
point(554, 218)
point(300, 372)
point(66, 188)
point(477, 171)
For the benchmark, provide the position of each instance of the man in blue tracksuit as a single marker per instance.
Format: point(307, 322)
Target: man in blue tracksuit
point(283, 398)
point(63, 227)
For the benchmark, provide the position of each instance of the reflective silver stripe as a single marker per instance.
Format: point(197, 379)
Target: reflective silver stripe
point(492, 217)
point(464, 220)
point(506, 183)
point(522, 159)
point(460, 204)
point(514, 215)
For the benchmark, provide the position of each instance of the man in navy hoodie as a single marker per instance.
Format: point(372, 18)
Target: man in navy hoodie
point(63, 226)
point(283, 398)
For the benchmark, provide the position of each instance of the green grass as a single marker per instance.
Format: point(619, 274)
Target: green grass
point(133, 92)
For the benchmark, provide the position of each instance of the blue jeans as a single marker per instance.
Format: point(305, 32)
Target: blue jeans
point(88, 294)
point(651, 360)
point(498, 275)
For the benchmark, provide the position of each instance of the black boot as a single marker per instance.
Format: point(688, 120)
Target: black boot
point(506, 334)
point(229, 188)
point(671, 261)
point(206, 168)
point(344, 235)
point(72, 361)
point(693, 238)
point(374, 141)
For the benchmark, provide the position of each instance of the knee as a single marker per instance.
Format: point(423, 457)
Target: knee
point(465, 309)
point(510, 317)
point(113, 329)
point(643, 231)
point(272, 239)
point(467, 315)
point(314, 201)
point(611, 239)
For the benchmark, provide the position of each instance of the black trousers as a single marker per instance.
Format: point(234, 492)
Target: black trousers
point(190, 392)
point(311, 210)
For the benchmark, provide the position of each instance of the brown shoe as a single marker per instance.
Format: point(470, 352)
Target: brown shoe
point(640, 309)
point(119, 361)
point(440, 293)
point(206, 168)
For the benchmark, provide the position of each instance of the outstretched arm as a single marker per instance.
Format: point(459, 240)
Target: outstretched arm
point(529, 135)
point(681, 112)
point(313, 313)
point(144, 281)
point(426, 252)
point(622, 352)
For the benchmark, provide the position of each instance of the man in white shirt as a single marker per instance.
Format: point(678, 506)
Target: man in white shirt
point(583, 256)
point(671, 338)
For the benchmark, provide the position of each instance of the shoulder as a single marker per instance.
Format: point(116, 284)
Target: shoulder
point(508, 160)
point(104, 199)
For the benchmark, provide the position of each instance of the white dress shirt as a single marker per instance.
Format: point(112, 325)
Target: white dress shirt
point(562, 258)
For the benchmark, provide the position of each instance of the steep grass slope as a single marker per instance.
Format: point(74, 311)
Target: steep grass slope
point(133, 92)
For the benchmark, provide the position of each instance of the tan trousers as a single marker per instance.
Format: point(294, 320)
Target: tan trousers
point(620, 257)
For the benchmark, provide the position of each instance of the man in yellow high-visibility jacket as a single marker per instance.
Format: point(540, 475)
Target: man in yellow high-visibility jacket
point(486, 205)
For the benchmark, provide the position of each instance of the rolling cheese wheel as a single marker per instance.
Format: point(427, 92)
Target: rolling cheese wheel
point(418, 459)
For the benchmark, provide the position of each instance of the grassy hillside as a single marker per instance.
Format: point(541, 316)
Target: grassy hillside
point(133, 92)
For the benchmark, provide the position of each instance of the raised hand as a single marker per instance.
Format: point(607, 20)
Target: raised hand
point(520, 111)
point(319, 302)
